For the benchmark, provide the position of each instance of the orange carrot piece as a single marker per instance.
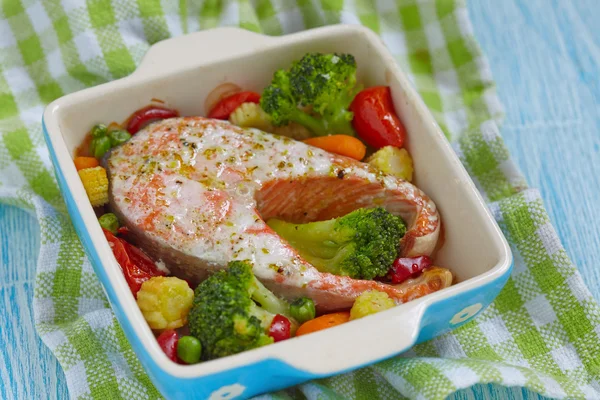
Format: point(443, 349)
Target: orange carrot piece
point(85, 162)
point(323, 322)
point(343, 145)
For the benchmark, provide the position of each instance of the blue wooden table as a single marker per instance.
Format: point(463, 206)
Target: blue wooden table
point(545, 55)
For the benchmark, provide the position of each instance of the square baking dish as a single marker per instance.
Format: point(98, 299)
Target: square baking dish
point(182, 72)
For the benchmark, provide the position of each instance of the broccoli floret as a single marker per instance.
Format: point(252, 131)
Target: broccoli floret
point(232, 312)
point(362, 244)
point(315, 92)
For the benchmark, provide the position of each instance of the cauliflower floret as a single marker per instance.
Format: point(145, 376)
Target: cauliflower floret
point(393, 161)
point(165, 302)
point(370, 302)
point(95, 182)
point(251, 115)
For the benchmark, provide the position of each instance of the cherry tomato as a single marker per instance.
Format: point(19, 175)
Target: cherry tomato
point(281, 328)
point(168, 343)
point(404, 268)
point(135, 264)
point(227, 105)
point(375, 120)
point(144, 115)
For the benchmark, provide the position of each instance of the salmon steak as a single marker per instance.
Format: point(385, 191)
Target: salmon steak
point(195, 193)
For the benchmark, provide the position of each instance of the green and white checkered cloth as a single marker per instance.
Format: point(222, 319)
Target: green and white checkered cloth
point(543, 330)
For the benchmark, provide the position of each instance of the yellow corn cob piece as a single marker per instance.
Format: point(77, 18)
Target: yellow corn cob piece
point(165, 302)
point(95, 183)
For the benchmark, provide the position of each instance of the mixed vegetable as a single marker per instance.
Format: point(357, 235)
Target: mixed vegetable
point(316, 100)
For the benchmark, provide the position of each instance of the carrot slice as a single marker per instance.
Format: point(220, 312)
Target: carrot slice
point(343, 145)
point(85, 162)
point(323, 322)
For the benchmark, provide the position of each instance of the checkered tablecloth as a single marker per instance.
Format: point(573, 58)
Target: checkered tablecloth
point(543, 330)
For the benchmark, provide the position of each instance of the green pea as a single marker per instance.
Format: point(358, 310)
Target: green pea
point(99, 146)
point(99, 130)
point(303, 309)
point(189, 349)
point(118, 136)
point(109, 222)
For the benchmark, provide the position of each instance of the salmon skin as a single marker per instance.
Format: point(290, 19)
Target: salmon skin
point(195, 193)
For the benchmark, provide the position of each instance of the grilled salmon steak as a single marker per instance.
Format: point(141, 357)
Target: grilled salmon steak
point(196, 192)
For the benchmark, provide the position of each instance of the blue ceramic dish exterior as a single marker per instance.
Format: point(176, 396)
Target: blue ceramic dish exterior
point(270, 374)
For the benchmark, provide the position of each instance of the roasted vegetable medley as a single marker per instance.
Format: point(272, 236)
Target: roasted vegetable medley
point(296, 215)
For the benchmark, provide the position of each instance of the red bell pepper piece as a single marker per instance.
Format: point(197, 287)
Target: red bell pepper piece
point(281, 328)
point(228, 104)
point(167, 341)
point(375, 119)
point(135, 264)
point(150, 113)
point(404, 268)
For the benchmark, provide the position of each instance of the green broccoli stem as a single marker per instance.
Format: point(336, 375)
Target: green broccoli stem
point(265, 317)
point(312, 239)
point(313, 124)
point(271, 305)
point(341, 124)
point(338, 125)
point(319, 243)
point(362, 244)
point(268, 300)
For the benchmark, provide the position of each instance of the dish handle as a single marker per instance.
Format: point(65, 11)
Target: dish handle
point(196, 49)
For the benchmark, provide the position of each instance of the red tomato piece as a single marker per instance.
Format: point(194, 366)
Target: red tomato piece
point(135, 264)
point(375, 119)
point(227, 105)
point(281, 328)
point(168, 343)
point(150, 113)
point(404, 268)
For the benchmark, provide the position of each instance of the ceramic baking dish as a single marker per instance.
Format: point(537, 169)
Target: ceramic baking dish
point(182, 71)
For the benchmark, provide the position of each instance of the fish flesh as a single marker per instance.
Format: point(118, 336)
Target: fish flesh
point(195, 193)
